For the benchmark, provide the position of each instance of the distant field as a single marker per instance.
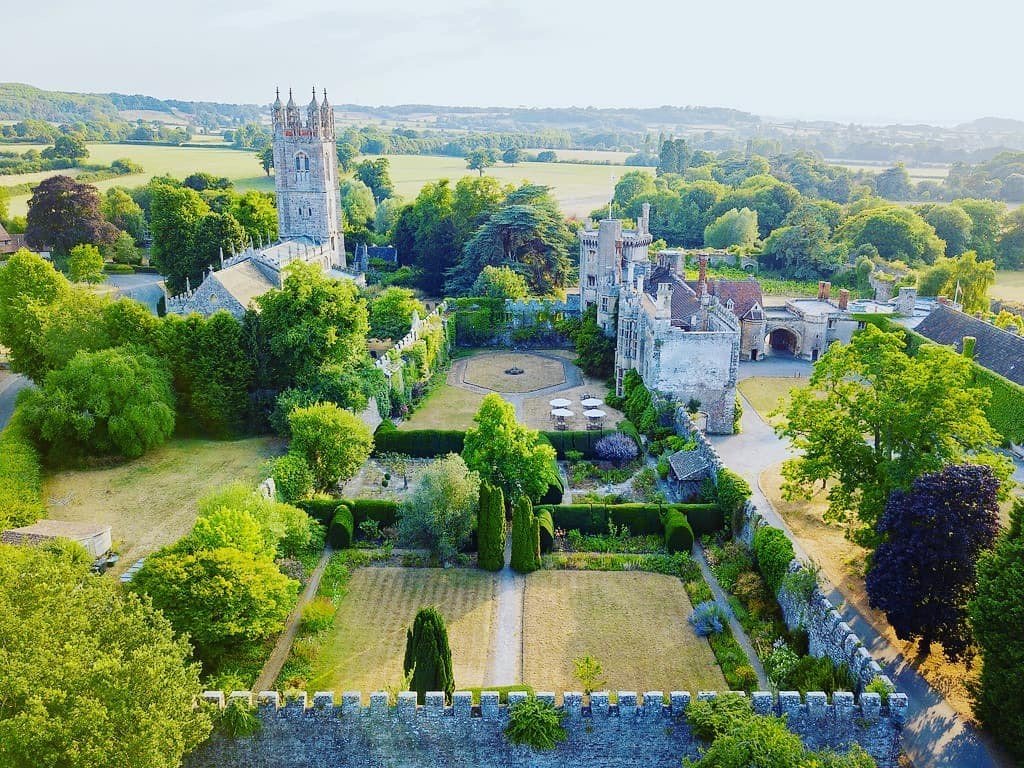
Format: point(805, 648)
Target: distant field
point(241, 167)
point(579, 188)
point(151, 501)
point(1009, 286)
point(917, 172)
point(588, 155)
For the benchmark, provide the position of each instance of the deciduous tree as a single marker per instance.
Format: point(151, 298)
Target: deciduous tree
point(391, 313)
point(490, 529)
point(63, 213)
point(85, 264)
point(334, 442)
point(500, 283)
point(440, 512)
point(923, 572)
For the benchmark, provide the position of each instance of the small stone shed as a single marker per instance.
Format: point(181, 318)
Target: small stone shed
point(95, 538)
point(687, 471)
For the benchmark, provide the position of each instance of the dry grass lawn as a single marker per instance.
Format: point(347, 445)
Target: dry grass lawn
point(151, 502)
point(446, 407)
point(842, 562)
point(633, 623)
point(766, 393)
point(364, 650)
point(488, 371)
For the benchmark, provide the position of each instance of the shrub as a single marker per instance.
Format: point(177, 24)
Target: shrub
point(780, 663)
point(428, 656)
point(491, 529)
point(711, 719)
point(320, 508)
point(342, 531)
point(21, 480)
point(441, 512)
point(881, 686)
point(318, 616)
point(817, 674)
point(237, 720)
point(292, 477)
point(525, 537)
point(745, 678)
point(419, 443)
point(384, 511)
point(732, 492)
point(546, 530)
point(678, 534)
point(575, 445)
point(707, 619)
point(535, 723)
point(616, 447)
point(774, 553)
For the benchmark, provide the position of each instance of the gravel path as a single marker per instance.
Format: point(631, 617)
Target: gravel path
point(573, 378)
point(272, 668)
point(935, 735)
point(10, 385)
point(505, 660)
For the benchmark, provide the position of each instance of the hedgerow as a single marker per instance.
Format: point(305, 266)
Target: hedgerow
point(21, 478)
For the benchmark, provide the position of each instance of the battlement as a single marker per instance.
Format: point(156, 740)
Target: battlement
point(629, 729)
point(386, 361)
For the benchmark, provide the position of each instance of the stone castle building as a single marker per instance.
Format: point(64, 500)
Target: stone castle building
point(308, 216)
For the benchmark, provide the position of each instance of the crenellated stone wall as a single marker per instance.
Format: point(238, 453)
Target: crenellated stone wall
point(638, 730)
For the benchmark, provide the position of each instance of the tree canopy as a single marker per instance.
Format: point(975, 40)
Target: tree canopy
point(440, 513)
point(92, 674)
point(63, 213)
point(334, 442)
point(391, 313)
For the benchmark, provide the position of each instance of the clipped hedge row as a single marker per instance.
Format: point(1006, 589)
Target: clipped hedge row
point(324, 510)
point(774, 552)
point(419, 443)
point(342, 531)
point(582, 441)
point(678, 534)
point(640, 519)
point(21, 476)
point(732, 492)
point(320, 509)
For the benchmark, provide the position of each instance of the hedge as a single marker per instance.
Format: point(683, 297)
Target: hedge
point(582, 441)
point(21, 476)
point(547, 530)
point(678, 534)
point(732, 492)
point(420, 443)
point(384, 511)
point(342, 530)
point(704, 518)
point(322, 510)
point(641, 519)
point(774, 552)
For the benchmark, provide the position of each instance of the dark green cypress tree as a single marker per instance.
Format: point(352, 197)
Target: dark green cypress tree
point(428, 657)
point(490, 529)
point(525, 537)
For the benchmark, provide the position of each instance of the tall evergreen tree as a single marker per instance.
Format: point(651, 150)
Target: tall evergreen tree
point(428, 657)
point(525, 537)
point(490, 529)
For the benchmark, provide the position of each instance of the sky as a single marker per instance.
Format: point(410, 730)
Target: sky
point(870, 61)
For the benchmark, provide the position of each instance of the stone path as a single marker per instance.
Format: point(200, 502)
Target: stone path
point(935, 735)
point(722, 601)
point(272, 668)
point(10, 385)
point(505, 659)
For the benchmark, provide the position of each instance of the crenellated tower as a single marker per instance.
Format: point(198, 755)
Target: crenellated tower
point(306, 174)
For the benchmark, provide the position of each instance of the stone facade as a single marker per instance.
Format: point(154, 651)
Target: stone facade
point(638, 730)
point(308, 218)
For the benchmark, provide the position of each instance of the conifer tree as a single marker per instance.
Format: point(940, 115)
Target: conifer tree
point(491, 529)
point(428, 657)
point(525, 537)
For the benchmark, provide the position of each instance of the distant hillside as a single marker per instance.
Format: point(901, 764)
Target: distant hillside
point(993, 125)
point(26, 102)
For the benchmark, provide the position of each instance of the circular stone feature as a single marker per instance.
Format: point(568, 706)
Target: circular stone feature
point(494, 371)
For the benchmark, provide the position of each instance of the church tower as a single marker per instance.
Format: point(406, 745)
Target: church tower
point(306, 175)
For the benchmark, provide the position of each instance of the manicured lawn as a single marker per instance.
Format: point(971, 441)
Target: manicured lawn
point(364, 650)
point(634, 623)
point(1009, 286)
point(151, 502)
point(843, 564)
point(766, 393)
point(446, 407)
point(488, 370)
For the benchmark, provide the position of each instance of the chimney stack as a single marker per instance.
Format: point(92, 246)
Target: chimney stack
point(943, 300)
point(824, 290)
point(702, 274)
point(844, 298)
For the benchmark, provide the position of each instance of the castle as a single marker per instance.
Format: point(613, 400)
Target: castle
point(308, 217)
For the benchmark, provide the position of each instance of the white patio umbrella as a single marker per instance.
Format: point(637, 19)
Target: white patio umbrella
point(594, 413)
point(562, 413)
point(591, 402)
point(560, 402)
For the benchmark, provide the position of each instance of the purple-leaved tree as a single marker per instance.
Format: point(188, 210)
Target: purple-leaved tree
point(923, 572)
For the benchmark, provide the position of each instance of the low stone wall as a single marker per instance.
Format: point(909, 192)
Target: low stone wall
point(828, 634)
point(636, 731)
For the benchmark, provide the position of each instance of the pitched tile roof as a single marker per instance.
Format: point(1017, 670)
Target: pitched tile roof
point(685, 303)
point(745, 294)
point(1000, 351)
point(687, 465)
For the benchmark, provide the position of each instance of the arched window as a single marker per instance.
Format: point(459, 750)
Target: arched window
point(301, 161)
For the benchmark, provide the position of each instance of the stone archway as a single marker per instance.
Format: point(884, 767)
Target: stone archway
point(782, 341)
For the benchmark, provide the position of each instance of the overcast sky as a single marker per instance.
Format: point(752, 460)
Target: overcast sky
point(864, 61)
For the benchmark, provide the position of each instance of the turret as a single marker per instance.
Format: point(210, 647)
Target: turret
point(313, 116)
point(292, 119)
point(327, 118)
point(277, 110)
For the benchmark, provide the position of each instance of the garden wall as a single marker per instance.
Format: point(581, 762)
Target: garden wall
point(638, 730)
point(827, 633)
